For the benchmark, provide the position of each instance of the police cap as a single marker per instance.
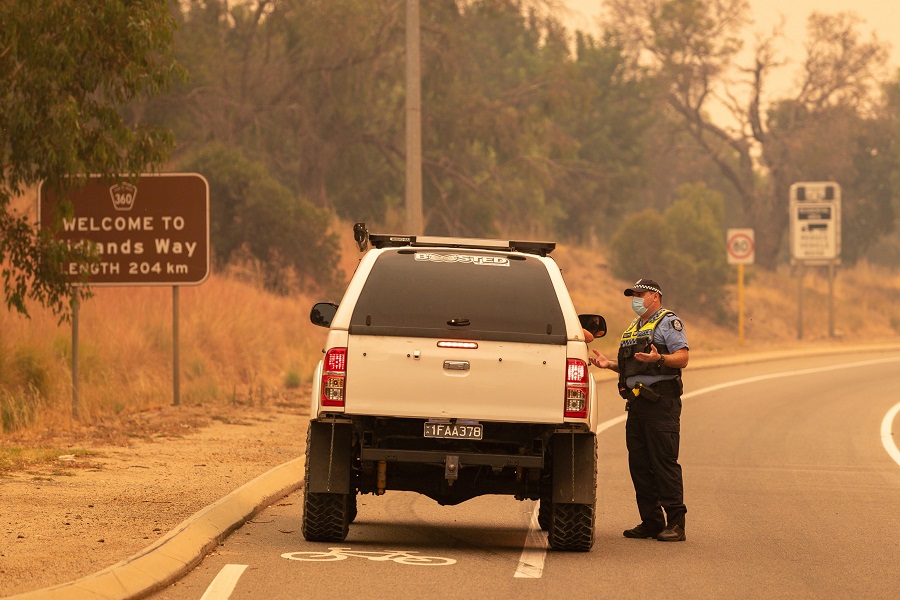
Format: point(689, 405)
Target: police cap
point(644, 285)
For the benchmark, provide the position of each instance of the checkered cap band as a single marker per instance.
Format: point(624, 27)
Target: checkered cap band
point(644, 285)
point(649, 288)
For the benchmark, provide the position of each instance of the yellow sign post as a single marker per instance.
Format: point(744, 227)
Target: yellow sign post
point(740, 244)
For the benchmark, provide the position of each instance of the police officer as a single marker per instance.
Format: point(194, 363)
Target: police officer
point(652, 353)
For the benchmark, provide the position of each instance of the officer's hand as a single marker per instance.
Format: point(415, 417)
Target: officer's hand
point(648, 357)
point(599, 360)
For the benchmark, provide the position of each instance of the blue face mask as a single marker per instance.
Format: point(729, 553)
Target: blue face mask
point(637, 305)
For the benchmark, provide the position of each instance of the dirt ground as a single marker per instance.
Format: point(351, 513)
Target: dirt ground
point(118, 487)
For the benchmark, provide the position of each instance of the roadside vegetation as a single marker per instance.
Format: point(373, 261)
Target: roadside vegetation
point(22, 458)
point(294, 112)
point(238, 343)
point(243, 345)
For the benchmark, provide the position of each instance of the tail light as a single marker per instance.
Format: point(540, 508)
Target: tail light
point(334, 375)
point(576, 388)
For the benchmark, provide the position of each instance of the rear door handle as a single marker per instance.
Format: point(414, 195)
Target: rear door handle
point(456, 365)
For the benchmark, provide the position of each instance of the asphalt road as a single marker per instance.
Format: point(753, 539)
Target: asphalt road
point(791, 487)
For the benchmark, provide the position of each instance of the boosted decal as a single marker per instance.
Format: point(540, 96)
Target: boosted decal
point(493, 261)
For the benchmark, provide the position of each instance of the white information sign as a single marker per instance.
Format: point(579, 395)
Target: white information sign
point(815, 213)
point(741, 246)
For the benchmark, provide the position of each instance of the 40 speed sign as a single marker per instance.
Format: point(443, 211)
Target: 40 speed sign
point(740, 246)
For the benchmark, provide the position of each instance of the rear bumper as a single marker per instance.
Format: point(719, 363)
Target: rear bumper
point(440, 457)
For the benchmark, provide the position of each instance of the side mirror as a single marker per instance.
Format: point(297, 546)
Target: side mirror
point(322, 313)
point(593, 324)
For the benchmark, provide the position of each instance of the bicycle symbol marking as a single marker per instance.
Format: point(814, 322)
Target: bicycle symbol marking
point(403, 557)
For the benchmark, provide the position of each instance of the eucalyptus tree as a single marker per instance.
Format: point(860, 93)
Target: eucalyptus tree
point(66, 69)
point(529, 133)
point(692, 45)
point(608, 115)
point(311, 89)
point(519, 135)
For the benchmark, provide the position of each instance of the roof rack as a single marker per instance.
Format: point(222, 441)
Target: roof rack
point(382, 240)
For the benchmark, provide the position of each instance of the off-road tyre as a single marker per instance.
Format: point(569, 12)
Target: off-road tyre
point(545, 508)
point(326, 517)
point(572, 525)
point(351, 517)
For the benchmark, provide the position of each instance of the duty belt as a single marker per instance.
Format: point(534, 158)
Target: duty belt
point(653, 392)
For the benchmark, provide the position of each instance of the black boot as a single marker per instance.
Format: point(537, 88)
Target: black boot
point(644, 530)
point(674, 532)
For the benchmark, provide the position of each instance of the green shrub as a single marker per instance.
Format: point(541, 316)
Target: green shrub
point(683, 249)
point(253, 215)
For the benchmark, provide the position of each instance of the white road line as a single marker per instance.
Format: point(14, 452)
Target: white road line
point(887, 438)
point(531, 563)
point(728, 384)
point(607, 424)
point(885, 425)
point(222, 586)
point(532, 555)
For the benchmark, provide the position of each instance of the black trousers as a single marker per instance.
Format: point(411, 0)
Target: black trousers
point(652, 436)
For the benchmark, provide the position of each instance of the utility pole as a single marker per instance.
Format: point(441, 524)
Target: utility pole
point(414, 220)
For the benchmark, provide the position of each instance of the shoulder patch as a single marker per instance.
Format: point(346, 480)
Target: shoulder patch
point(677, 325)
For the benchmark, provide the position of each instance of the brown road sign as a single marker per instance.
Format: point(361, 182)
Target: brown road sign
point(153, 233)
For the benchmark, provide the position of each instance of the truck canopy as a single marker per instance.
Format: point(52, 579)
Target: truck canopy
point(415, 293)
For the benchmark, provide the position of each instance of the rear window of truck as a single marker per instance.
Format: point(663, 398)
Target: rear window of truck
point(459, 294)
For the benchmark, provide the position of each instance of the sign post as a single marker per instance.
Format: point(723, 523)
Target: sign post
point(741, 246)
point(815, 215)
point(154, 232)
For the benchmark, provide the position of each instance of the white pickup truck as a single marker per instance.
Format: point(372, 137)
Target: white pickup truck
point(454, 368)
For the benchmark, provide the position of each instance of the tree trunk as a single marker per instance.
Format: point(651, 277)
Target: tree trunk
point(768, 217)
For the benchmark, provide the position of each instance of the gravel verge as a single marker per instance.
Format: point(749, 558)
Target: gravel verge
point(117, 487)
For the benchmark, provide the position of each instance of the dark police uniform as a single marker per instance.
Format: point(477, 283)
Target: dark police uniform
point(653, 429)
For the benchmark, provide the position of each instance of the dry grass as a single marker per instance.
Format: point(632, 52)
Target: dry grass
point(13, 458)
point(241, 345)
point(866, 305)
point(237, 344)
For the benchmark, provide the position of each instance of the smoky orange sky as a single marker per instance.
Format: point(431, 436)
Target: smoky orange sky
point(879, 16)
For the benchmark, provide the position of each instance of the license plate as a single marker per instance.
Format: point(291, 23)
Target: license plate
point(454, 431)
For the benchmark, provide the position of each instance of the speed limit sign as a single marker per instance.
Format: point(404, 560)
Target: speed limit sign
point(740, 246)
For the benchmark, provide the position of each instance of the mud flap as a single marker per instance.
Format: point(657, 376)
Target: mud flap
point(329, 457)
point(574, 468)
